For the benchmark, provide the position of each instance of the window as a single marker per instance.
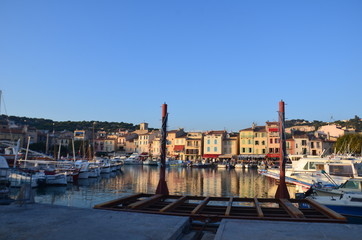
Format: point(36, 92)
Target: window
point(304, 142)
point(256, 142)
point(250, 150)
point(215, 149)
point(318, 144)
point(263, 151)
point(351, 184)
point(262, 142)
point(208, 149)
point(208, 141)
point(271, 150)
point(341, 170)
point(215, 141)
point(243, 150)
point(249, 141)
point(271, 140)
point(312, 144)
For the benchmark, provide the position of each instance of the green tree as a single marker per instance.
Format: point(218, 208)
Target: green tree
point(349, 143)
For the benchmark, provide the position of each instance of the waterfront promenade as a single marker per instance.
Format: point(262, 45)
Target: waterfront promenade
point(44, 221)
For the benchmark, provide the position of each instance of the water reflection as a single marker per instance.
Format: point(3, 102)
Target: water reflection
point(180, 181)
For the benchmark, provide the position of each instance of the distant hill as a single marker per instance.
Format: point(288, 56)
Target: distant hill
point(355, 123)
point(47, 124)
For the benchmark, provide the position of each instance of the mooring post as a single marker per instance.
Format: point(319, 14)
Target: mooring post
point(162, 185)
point(282, 191)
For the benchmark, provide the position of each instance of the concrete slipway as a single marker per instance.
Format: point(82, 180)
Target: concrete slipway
point(43, 222)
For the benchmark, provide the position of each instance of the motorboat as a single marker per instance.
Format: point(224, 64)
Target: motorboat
point(150, 162)
point(134, 159)
point(331, 171)
point(353, 185)
point(347, 204)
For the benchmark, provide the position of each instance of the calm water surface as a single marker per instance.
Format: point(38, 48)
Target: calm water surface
point(181, 181)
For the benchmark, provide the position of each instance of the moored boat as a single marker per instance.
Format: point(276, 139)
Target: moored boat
point(347, 204)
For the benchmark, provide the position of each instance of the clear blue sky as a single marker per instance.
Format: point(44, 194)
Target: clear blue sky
point(217, 64)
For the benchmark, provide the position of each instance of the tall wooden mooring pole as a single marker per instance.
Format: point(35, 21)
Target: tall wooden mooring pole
point(162, 185)
point(282, 191)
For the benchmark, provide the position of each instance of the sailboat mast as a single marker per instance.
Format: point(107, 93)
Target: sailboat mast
point(73, 149)
point(60, 145)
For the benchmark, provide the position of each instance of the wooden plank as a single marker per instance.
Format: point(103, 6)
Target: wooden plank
point(291, 209)
point(324, 210)
point(228, 208)
point(118, 201)
point(145, 202)
point(174, 205)
point(200, 206)
point(258, 208)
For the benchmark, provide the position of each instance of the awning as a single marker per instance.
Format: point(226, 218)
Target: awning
point(251, 156)
point(144, 154)
point(226, 156)
point(273, 130)
point(273, 155)
point(211, 155)
point(179, 148)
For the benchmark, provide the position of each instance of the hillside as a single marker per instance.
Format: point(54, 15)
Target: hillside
point(47, 124)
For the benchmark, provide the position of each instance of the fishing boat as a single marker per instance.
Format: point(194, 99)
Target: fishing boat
point(83, 167)
point(48, 168)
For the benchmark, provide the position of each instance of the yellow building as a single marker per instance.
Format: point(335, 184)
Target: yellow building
point(253, 142)
point(193, 148)
point(174, 150)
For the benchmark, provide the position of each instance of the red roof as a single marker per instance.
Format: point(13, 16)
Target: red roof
point(179, 148)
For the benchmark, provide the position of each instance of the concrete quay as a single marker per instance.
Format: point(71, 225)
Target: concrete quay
point(277, 230)
point(43, 222)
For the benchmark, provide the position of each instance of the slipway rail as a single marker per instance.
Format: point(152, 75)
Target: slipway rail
point(214, 209)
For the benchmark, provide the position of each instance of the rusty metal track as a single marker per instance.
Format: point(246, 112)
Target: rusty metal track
point(213, 209)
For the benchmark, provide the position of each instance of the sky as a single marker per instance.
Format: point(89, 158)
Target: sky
point(217, 64)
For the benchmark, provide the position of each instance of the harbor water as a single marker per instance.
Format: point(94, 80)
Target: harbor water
point(144, 179)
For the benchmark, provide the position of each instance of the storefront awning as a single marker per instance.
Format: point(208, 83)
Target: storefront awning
point(211, 155)
point(179, 148)
point(226, 156)
point(252, 156)
point(273, 155)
